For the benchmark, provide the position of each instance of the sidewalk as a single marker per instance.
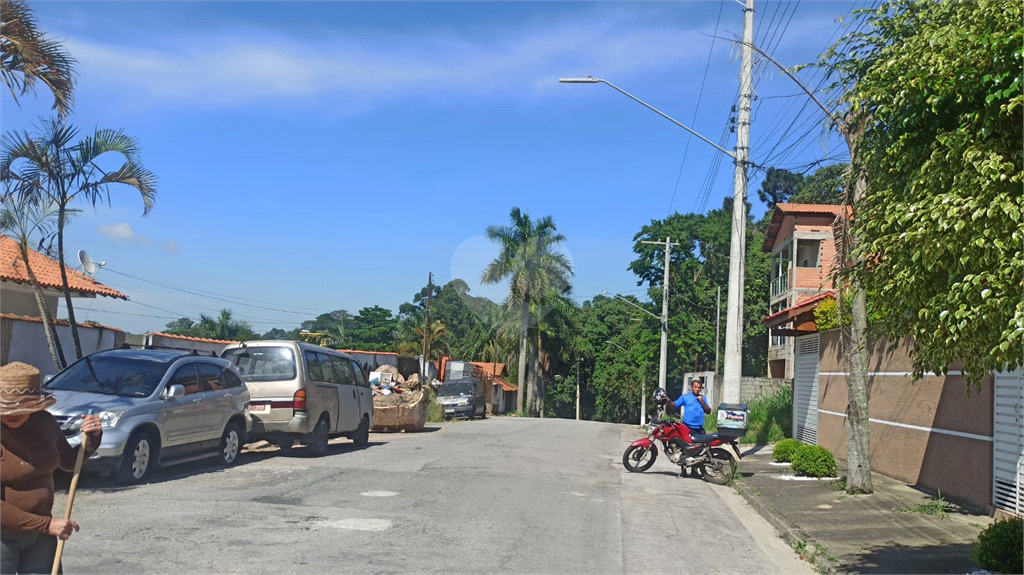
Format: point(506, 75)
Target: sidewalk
point(843, 533)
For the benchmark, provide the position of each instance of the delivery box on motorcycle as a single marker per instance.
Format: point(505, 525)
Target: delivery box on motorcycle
point(732, 420)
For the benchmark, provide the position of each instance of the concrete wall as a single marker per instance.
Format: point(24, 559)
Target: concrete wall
point(18, 299)
point(24, 340)
point(752, 388)
point(928, 433)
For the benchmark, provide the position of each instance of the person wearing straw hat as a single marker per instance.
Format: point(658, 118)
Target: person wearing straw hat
point(32, 447)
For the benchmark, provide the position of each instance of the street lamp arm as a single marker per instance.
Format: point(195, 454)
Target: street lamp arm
point(657, 317)
point(649, 107)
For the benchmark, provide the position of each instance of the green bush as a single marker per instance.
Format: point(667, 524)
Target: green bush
point(785, 449)
point(999, 547)
point(814, 461)
point(770, 420)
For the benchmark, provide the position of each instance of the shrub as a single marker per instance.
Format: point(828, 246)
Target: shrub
point(785, 449)
point(814, 460)
point(999, 547)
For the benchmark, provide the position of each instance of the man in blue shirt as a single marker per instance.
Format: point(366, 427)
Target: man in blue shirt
point(694, 407)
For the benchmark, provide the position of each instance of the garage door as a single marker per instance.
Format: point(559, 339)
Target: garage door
point(1008, 442)
point(805, 389)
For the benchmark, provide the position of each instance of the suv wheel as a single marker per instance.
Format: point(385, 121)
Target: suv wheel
point(230, 444)
point(318, 439)
point(139, 458)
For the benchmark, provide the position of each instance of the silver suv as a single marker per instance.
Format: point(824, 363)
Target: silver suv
point(157, 407)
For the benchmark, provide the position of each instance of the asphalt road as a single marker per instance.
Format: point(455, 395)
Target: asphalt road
point(504, 495)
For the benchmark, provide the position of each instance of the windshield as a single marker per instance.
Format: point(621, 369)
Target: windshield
point(456, 388)
point(111, 375)
point(263, 363)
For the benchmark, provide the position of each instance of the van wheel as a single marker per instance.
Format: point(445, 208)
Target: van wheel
point(138, 459)
point(318, 440)
point(230, 444)
point(362, 435)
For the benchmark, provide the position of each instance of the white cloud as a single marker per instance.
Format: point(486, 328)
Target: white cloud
point(171, 247)
point(252, 66)
point(121, 233)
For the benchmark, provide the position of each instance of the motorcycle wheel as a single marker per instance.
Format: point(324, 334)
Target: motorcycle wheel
point(721, 468)
point(638, 459)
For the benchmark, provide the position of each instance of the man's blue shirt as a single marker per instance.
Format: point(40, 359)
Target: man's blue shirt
point(693, 410)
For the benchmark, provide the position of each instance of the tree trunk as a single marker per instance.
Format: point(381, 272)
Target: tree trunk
point(858, 438)
point(523, 325)
point(531, 383)
point(64, 280)
point(44, 311)
point(538, 379)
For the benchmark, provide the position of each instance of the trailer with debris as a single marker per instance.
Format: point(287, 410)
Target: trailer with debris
point(399, 404)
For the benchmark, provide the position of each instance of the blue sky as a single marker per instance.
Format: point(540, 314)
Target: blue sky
point(329, 155)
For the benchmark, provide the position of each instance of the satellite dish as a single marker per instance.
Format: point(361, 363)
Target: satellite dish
point(89, 266)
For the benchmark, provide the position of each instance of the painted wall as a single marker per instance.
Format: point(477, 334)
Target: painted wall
point(928, 433)
point(25, 341)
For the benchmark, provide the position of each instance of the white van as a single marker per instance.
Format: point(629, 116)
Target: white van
point(303, 392)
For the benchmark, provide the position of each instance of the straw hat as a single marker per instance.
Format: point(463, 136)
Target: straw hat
point(19, 390)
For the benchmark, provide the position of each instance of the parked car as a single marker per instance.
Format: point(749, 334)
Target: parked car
point(158, 408)
point(463, 398)
point(303, 392)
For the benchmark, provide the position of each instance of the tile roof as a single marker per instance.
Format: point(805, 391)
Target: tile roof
point(784, 315)
point(491, 369)
point(55, 321)
point(189, 338)
point(780, 211)
point(505, 386)
point(47, 271)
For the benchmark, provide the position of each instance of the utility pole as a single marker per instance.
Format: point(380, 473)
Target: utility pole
point(577, 390)
point(426, 324)
point(718, 319)
point(663, 365)
point(737, 246)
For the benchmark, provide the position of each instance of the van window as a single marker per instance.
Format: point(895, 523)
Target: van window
point(315, 368)
point(360, 378)
point(263, 363)
point(343, 370)
point(456, 388)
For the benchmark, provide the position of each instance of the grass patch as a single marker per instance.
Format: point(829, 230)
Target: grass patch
point(435, 411)
point(937, 507)
point(771, 418)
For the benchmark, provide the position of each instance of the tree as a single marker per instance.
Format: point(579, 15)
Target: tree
point(529, 260)
point(223, 327)
point(68, 171)
point(941, 222)
point(27, 56)
point(23, 217)
point(373, 329)
point(779, 186)
point(436, 337)
point(827, 185)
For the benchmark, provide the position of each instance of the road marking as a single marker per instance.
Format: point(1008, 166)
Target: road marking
point(379, 494)
point(357, 524)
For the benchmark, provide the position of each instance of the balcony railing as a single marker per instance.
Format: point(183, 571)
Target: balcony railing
point(780, 285)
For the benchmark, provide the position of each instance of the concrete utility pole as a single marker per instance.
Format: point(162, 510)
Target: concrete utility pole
point(426, 324)
point(718, 321)
point(737, 246)
point(663, 319)
point(577, 390)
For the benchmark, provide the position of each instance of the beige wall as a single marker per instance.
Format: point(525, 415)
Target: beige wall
point(18, 299)
point(961, 467)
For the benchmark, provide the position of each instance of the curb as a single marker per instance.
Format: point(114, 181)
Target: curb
point(790, 532)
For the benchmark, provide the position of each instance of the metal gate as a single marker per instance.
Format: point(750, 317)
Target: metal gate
point(1008, 442)
point(805, 389)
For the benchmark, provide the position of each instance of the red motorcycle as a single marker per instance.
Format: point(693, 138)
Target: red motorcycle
point(702, 452)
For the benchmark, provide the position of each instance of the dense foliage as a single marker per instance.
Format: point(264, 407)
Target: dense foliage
point(999, 547)
point(814, 461)
point(784, 450)
point(939, 87)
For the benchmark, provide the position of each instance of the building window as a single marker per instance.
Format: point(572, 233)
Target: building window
point(776, 340)
point(780, 272)
point(807, 253)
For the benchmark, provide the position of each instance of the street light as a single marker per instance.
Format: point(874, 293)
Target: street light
point(737, 244)
point(643, 389)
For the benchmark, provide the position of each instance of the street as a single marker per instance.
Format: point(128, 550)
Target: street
point(503, 495)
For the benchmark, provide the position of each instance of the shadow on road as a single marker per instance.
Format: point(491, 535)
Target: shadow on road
point(897, 558)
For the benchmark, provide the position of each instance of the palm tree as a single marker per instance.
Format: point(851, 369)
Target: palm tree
point(67, 171)
point(435, 340)
point(529, 260)
point(22, 217)
point(27, 56)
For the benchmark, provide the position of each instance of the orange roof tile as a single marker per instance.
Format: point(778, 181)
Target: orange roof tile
point(55, 321)
point(506, 386)
point(782, 316)
point(189, 338)
point(491, 369)
point(47, 271)
point(780, 211)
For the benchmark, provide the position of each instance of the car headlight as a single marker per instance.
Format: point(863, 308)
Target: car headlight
point(110, 418)
point(463, 402)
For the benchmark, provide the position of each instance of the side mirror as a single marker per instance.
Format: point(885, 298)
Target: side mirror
point(175, 391)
